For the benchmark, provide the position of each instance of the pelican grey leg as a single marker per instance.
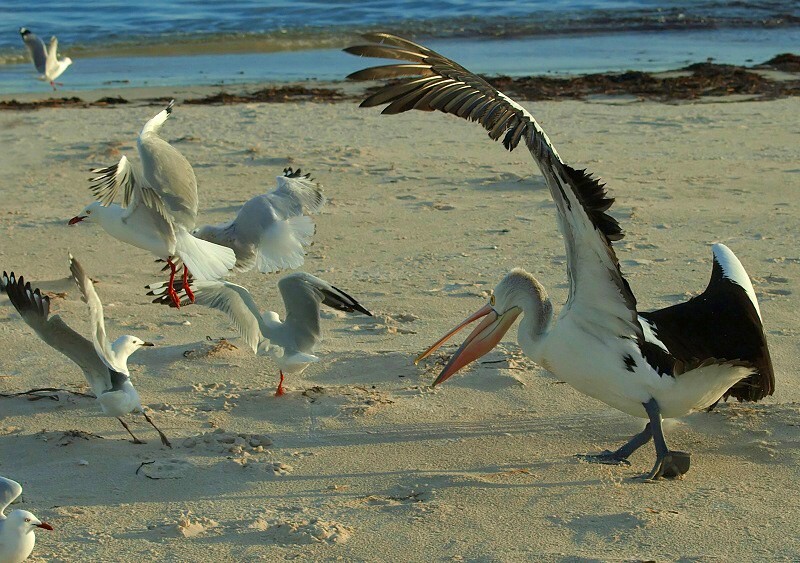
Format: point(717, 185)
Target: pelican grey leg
point(160, 433)
point(669, 463)
point(620, 456)
point(135, 439)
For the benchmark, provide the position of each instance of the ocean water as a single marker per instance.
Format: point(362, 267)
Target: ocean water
point(116, 44)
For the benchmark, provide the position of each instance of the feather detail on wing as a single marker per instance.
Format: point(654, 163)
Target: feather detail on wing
point(233, 300)
point(89, 296)
point(111, 179)
point(34, 308)
point(434, 82)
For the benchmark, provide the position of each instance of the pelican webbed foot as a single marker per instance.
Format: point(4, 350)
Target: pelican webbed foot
point(669, 464)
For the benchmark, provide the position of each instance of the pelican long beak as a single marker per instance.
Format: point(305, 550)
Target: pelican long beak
point(44, 525)
point(485, 337)
point(76, 219)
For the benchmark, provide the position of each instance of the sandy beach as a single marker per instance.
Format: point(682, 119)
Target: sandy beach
point(362, 460)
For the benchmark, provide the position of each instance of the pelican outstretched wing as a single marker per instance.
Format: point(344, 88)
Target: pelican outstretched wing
point(598, 290)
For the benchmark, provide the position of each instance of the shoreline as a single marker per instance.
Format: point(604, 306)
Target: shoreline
point(777, 78)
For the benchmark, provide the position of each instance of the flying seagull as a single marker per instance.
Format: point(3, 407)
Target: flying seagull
point(664, 363)
point(104, 363)
point(17, 536)
point(159, 206)
point(272, 231)
point(45, 59)
point(290, 342)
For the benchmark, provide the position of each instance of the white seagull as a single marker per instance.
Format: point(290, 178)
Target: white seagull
point(271, 231)
point(159, 206)
point(45, 59)
point(664, 363)
point(17, 536)
point(290, 342)
point(104, 363)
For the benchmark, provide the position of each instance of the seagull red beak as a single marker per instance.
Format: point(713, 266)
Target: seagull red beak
point(76, 219)
point(45, 526)
point(485, 337)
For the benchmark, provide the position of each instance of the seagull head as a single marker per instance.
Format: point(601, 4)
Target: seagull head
point(24, 31)
point(518, 291)
point(126, 345)
point(86, 214)
point(25, 521)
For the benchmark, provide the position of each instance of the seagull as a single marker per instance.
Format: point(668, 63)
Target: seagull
point(45, 59)
point(159, 206)
point(104, 363)
point(651, 365)
point(290, 342)
point(271, 231)
point(17, 536)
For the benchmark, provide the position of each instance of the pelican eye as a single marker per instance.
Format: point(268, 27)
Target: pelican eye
point(492, 300)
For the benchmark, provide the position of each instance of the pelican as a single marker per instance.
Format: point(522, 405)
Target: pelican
point(651, 365)
point(159, 206)
point(17, 536)
point(104, 363)
point(290, 342)
point(45, 59)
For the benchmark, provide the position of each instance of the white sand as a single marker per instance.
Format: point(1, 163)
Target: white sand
point(361, 460)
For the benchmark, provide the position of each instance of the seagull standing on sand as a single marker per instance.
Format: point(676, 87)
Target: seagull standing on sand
point(271, 231)
point(290, 342)
point(159, 207)
point(17, 536)
point(104, 363)
point(45, 59)
point(665, 363)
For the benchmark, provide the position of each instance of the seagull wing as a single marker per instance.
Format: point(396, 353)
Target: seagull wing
point(233, 300)
point(169, 186)
point(599, 294)
point(34, 308)
point(101, 344)
point(271, 231)
point(302, 295)
point(9, 490)
point(37, 50)
point(52, 55)
point(296, 193)
point(110, 180)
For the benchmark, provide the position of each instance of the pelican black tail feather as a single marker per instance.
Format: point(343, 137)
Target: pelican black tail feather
point(724, 324)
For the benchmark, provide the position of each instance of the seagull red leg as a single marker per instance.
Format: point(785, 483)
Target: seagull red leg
point(170, 288)
point(279, 391)
point(189, 292)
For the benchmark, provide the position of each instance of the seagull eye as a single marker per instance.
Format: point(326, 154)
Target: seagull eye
point(27, 519)
point(491, 300)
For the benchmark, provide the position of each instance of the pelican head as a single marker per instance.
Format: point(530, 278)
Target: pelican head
point(86, 214)
point(518, 292)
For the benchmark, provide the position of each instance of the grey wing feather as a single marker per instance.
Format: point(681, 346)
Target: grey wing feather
point(89, 296)
point(111, 179)
point(52, 54)
point(296, 194)
point(9, 490)
point(168, 174)
point(302, 295)
point(34, 308)
point(233, 300)
point(37, 50)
